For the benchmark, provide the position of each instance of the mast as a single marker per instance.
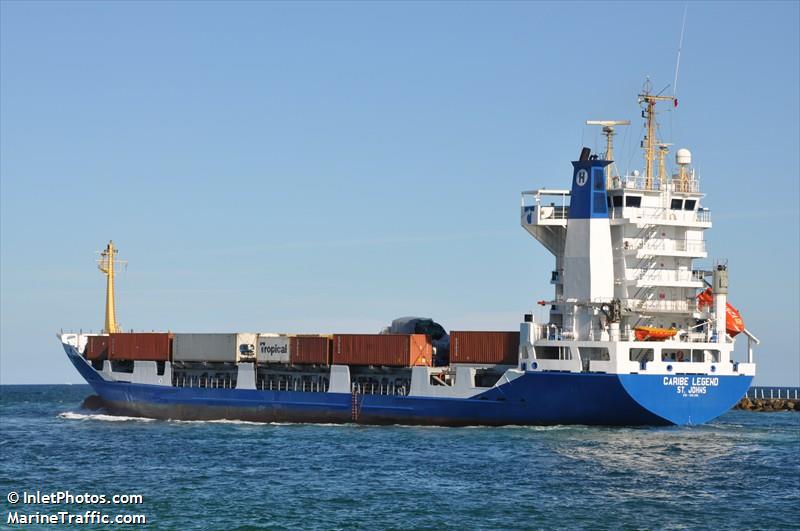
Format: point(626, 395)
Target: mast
point(663, 149)
point(608, 131)
point(106, 265)
point(650, 141)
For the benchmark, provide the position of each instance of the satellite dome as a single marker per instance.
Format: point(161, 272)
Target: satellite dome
point(683, 156)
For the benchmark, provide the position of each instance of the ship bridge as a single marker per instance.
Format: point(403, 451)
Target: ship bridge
point(544, 214)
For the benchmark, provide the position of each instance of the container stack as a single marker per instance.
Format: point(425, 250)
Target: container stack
point(130, 346)
point(96, 348)
point(310, 350)
point(495, 348)
point(215, 348)
point(136, 346)
point(273, 348)
point(391, 350)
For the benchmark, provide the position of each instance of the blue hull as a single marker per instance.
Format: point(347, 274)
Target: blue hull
point(536, 398)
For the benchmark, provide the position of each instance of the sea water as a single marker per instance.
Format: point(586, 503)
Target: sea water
point(741, 471)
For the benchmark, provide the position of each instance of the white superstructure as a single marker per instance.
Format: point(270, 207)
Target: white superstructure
point(626, 289)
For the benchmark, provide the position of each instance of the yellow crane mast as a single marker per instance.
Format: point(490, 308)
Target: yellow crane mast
point(106, 265)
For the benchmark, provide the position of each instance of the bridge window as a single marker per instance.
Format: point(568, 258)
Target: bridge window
point(616, 200)
point(634, 201)
point(689, 204)
point(676, 204)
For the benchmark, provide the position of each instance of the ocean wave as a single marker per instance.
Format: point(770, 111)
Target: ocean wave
point(71, 415)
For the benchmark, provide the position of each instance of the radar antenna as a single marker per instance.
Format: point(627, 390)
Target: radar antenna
point(608, 131)
point(106, 264)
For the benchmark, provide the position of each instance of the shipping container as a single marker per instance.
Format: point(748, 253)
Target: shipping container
point(273, 348)
point(310, 350)
point(501, 348)
point(149, 346)
point(231, 348)
point(397, 350)
point(96, 348)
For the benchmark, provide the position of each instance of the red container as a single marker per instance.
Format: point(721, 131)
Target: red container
point(96, 348)
point(310, 350)
point(154, 346)
point(395, 350)
point(500, 348)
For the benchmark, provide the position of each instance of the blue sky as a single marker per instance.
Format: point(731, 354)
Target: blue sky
point(330, 166)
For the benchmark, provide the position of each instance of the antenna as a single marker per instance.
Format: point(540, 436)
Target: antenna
point(106, 264)
point(678, 62)
point(608, 130)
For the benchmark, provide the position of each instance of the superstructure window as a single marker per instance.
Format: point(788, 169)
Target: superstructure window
point(616, 200)
point(599, 203)
point(689, 204)
point(676, 204)
point(634, 201)
point(599, 183)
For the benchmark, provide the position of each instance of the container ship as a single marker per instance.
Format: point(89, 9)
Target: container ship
point(635, 334)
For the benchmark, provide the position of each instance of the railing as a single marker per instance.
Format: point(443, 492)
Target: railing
point(661, 306)
point(535, 214)
point(665, 275)
point(691, 185)
point(697, 337)
point(390, 389)
point(602, 334)
point(555, 333)
point(639, 182)
point(660, 214)
point(651, 244)
point(180, 379)
point(557, 209)
point(315, 385)
point(774, 392)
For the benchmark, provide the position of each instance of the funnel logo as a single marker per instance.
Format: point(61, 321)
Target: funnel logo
point(581, 177)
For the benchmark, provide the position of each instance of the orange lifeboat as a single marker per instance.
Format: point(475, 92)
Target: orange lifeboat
point(734, 324)
point(652, 333)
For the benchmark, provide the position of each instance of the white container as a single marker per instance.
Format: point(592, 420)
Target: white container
point(273, 348)
point(231, 348)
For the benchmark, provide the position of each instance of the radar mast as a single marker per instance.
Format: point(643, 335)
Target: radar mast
point(608, 131)
point(649, 114)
